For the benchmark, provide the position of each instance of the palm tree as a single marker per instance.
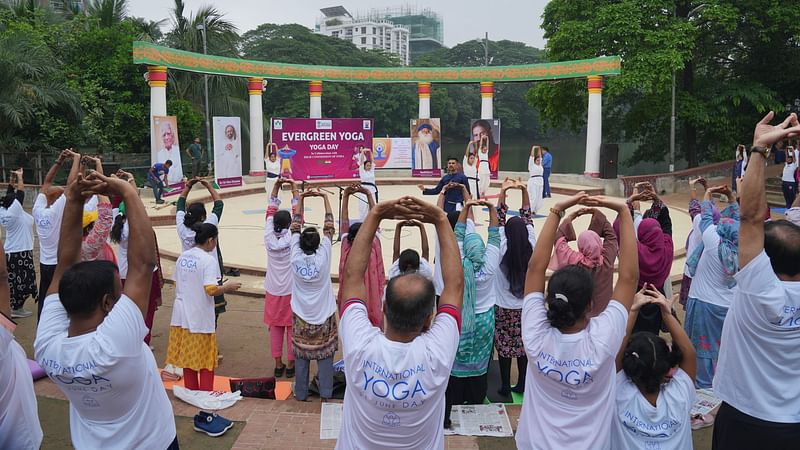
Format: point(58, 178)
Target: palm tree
point(148, 30)
point(109, 12)
point(29, 84)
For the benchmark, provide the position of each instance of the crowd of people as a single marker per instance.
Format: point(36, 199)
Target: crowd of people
point(596, 368)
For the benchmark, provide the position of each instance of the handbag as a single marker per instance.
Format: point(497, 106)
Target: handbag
point(254, 387)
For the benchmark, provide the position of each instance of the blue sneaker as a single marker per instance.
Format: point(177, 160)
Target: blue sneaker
point(211, 424)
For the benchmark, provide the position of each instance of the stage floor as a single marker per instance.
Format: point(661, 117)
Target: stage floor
point(242, 226)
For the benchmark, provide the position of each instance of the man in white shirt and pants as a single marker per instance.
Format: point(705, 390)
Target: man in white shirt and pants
point(397, 380)
point(757, 370)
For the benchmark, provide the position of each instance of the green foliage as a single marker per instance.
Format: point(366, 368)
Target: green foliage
point(732, 61)
point(190, 120)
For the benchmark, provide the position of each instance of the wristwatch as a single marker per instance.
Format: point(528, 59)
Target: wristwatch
point(764, 151)
point(558, 212)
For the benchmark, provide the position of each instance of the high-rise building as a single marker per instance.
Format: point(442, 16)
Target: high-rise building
point(426, 26)
point(366, 33)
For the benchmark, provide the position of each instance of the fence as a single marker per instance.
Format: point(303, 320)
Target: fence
point(667, 181)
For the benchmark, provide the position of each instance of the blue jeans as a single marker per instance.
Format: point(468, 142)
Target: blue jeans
point(546, 176)
point(157, 185)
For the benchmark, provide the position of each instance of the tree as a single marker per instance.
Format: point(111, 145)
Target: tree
point(108, 12)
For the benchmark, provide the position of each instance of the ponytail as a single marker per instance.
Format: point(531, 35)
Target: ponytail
point(116, 229)
point(281, 221)
point(195, 213)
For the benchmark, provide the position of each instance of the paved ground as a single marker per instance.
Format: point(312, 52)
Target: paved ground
point(244, 342)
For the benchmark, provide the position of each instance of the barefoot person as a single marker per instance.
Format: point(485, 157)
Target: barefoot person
point(18, 246)
point(91, 334)
point(397, 379)
point(571, 383)
point(758, 364)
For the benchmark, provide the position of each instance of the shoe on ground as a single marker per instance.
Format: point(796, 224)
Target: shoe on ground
point(211, 424)
point(160, 202)
point(20, 313)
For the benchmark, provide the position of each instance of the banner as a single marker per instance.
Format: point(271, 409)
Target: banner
point(164, 146)
point(314, 149)
point(426, 148)
point(227, 151)
point(391, 153)
point(486, 135)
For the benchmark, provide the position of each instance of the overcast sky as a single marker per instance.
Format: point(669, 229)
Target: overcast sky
point(516, 20)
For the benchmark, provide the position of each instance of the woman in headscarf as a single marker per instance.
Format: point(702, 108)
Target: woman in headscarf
point(712, 264)
point(597, 251)
point(468, 384)
point(376, 275)
point(517, 240)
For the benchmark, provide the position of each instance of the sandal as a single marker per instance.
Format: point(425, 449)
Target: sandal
point(289, 372)
point(279, 371)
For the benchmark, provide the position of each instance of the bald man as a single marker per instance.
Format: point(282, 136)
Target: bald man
point(397, 380)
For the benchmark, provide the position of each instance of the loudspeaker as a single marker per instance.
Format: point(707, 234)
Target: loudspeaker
point(608, 161)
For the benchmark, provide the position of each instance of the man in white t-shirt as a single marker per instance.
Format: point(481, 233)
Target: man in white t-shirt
point(90, 339)
point(397, 380)
point(19, 420)
point(757, 370)
point(47, 211)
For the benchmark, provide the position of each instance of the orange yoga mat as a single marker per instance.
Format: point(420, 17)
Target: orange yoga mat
point(283, 389)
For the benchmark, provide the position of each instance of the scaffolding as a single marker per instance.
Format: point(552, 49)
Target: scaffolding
point(426, 26)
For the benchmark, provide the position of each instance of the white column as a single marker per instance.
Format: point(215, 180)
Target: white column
point(594, 127)
point(424, 92)
point(254, 88)
point(315, 99)
point(487, 99)
point(157, 79)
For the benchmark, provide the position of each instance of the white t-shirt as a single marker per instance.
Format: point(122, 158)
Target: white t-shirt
point(758, 365)
point(534, 169)
point(122, 251)
point(193, 308)
point(116, 397)
point(48, 227)
point(470, 171)
point(485, 292)
point(438, 280)
point(425, 269)
point(278, 279)
point(19, 228)
point(503, 296)
point(367, 176)
point(273, 166)
point(186, 234)
point(312, 293)
point(570, 387)
point(708, 283)
point(395, 394)
point(483, 163)
point(694, 239)
point(19, 418)
point(638, 424)
point(788, 172)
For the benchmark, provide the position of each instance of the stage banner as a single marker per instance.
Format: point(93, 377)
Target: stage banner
point(391, 153)
point(315, 149)
point(426, 146)
point(164, 146)
point(485, 133)
point(227, 151)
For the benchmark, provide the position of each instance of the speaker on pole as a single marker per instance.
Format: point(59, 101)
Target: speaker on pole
point(608, 161)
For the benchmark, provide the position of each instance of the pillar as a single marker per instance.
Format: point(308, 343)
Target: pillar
point(487, 98)
point(424, 92)
point(594, 126)
point(315, 99)
point(255, 86)
point(157, 79)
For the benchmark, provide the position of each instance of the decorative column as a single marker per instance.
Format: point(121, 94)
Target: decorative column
point(487, 98)
point(157, 79)
point(315, 99)
point(594, 127)
point(424, 92)
point(255, 86)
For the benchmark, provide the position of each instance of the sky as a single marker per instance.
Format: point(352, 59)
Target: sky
point(516, 20)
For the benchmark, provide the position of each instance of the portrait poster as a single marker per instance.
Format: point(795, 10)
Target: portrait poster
point(316, 149)
point(227, 151)
point(426, 148)
point(391, 153)
point(165, 146)
point(485, 133)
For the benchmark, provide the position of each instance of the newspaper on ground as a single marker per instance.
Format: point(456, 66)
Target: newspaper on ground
point(480, 420)
point(330, 421)
point(705, 401)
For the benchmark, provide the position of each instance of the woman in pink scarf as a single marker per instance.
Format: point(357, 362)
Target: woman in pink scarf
point(376, 275)
point(597, 251)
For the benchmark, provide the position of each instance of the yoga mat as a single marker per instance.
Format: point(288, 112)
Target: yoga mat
point(493, 383)
point(283, 389)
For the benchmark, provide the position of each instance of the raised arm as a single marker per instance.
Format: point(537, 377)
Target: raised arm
point(537, 265)
point(75, 169)
point(423, 237)
point(218, 204)
point(344, 214)
point(396, 247)
point(452, 275)
point(639, 299)
point(181, 205)
point(435, 190)
point(679, 337)
point(51, 174)
point(328, 229)
point(753, 200)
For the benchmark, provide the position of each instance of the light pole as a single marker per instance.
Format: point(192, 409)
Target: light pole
point(672, 118)
point(202, 28)
point(485, 44)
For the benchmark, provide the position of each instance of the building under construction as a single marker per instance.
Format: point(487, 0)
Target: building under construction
point(425, 26)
